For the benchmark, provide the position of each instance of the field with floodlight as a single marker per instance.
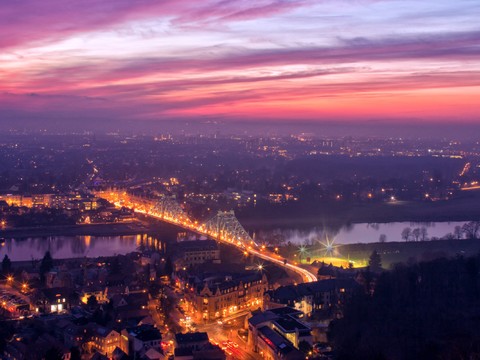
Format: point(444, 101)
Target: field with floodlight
point(390, 252)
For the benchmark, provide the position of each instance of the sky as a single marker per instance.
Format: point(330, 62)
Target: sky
point(233, 60)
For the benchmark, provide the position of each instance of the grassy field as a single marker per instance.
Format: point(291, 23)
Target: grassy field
point(395, 252)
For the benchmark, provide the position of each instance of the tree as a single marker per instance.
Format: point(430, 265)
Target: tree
point(6, 265)
point(423, 233)
point(75, 353)
point(46, 265)
point(471, 229)
point(458, 232)
point(115, 266)
point(416, 234)
point(382, 238)
point(375, 262)
point(400, 320)
point(168, 267)
point(304, 347)
point(92, 301)
point(53, 354)
point(406, 233)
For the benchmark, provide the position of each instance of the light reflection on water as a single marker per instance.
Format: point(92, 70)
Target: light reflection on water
point(64, 247)
point(354, 233)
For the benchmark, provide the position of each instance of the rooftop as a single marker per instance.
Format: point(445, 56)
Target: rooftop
point(145, 333)
point(275, 341)
point(191, 337)
point(289, 324)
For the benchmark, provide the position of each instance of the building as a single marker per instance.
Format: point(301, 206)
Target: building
point(191, 340)
point(41, 200)
point(277, 334)
point(105, 341)
point(58, 201)
point(218, 296)
point(53, 300)
point(313, 296)
point(141, 339)
point(97, 291)
point(196, 346)
point(17, 200)
point(199, 252)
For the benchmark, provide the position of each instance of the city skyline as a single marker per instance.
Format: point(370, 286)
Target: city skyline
point(337, 62)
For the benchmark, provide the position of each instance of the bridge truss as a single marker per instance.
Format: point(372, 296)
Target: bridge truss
point(168, 209)
point(225, 226)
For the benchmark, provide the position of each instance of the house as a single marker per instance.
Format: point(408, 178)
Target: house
point(313, 296)
point(199, 252)
point(142, 338)
point(191, 340)
point(53, 300)
point(97, 291)
point(119, 354)
point(98, 356)
point(152, 354)
point(105, 340)
point(196, 346)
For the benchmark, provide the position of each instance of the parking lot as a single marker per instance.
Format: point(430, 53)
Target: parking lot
point(14, 303)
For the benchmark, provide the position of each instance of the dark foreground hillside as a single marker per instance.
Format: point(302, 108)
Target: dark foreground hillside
point(429, 310)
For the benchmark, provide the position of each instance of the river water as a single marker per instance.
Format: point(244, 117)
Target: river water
point(64, 247)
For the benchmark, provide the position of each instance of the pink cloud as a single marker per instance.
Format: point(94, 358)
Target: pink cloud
point(31, 21)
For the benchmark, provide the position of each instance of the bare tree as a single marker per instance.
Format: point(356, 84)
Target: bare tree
point(458, 232)
point(423, 233)
point(449, 236)
point(471, 229)
point(416, 234)
point(382, 238)
point(406, 233)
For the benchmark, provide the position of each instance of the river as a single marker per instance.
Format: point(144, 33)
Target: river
point(64, 247)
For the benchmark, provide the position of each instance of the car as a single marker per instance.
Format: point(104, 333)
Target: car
point(232, 343)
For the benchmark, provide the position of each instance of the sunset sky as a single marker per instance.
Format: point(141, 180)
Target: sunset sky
point(407, 60)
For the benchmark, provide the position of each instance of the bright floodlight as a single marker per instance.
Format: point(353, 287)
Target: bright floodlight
point(329, 246)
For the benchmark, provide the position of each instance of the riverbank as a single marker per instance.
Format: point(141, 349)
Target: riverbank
point(336, 215)
point(402, 252)
point(108, 229)
point(140, 225)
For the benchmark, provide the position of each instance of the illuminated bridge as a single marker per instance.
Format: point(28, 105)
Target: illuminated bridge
point(224, 226)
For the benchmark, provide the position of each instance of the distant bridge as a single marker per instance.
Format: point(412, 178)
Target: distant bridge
point(224, 226)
